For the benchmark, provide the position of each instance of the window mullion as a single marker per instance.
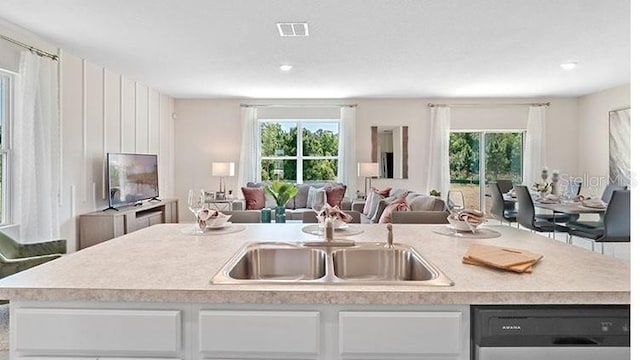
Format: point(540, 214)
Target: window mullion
point(299, 175)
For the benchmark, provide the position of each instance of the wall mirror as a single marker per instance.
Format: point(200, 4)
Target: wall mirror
point(389, 148)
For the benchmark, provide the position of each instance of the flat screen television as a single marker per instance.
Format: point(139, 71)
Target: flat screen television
point(131, 178)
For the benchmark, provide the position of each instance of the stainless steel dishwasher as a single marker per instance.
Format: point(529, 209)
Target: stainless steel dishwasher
point(585, 332)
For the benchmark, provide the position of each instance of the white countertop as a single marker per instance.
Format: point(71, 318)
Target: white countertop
point(161, 264)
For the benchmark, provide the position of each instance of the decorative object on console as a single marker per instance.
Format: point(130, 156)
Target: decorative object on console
point(222, 169)
point(555, 177)
point(368, 170)
point(435, 193)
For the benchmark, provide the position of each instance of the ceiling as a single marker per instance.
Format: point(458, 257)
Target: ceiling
point(356, 48)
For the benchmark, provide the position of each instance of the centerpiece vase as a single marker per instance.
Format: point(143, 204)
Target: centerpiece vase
point(280, 214)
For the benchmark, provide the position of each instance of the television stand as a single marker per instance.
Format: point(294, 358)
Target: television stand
point(111, 208)
point(104, 225)
point(155, 198)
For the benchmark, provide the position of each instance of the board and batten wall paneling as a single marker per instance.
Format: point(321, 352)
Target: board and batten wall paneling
point(112, 111)
point(94, 139)
point(153, 116)
point(102, 111)
point(128, 113)
point(142, 119)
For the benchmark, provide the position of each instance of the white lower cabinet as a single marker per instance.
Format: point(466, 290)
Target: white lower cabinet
point(261, 334)
point(397, 335)
point(154, 331)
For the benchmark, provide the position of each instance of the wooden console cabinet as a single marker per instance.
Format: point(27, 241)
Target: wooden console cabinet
point(100, 226)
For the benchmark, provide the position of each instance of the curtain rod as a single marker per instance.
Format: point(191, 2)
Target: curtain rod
point(301, 105)
point(34, 50)
point(489, 104)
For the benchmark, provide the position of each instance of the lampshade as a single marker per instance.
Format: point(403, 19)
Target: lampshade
point(223, 168)
point(369, 169)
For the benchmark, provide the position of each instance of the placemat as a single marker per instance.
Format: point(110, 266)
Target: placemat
point(350, 230)
point(229, 229)
point(481, 233)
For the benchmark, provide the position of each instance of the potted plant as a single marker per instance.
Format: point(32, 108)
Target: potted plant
point(282, 192)
point(435, 193)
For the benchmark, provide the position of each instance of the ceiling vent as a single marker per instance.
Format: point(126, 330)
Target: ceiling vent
point(299, 29)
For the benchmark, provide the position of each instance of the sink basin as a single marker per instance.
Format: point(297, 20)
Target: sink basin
point(378, 264)
point(363, 263)
point(275, 262)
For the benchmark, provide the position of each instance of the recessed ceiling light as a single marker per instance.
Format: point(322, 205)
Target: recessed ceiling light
point(569, 65)
point(286, 67)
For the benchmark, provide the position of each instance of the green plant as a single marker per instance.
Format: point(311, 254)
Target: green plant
point(282, 192)
point(435, 192)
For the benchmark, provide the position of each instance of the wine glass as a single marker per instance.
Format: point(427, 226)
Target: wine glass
point(195, 202)
point(318, 205)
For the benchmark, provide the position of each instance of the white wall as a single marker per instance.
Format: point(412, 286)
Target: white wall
point(100, 111)
point(209, 130)
point(593, 134)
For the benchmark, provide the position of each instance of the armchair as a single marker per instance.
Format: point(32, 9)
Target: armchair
point(15, 257)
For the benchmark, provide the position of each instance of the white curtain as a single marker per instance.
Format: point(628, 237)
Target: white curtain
point(347, 152)
point(437, 169)
point(249, 167)
point(534, 145)
point(37, 150)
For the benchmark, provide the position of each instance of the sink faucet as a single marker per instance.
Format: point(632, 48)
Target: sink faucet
point(389, 244)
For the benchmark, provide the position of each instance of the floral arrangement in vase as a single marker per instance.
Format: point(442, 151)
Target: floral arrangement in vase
point(542, 187)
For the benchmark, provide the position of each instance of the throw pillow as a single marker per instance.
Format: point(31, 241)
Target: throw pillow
point(316, 196)
point(368, 203)
point(375, 203)
point(400, 204)
point(335, 194)
point(300, 200)
point(253, 197)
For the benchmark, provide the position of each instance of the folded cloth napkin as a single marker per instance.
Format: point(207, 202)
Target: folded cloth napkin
point(335, 213)
point(472, 216)
point(594, 203)
point(204, 215)
point(550, 199)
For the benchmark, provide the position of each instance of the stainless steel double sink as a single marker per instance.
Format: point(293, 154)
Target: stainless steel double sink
point(362, 264)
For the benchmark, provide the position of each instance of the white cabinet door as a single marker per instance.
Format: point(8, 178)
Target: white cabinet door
point(97, 332)
point(401, 334)
point(259, 334)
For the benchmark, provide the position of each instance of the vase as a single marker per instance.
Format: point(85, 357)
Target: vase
point(280, 214)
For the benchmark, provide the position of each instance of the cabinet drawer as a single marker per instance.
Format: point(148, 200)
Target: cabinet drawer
point(47, 331)
point(155, 219)
point(247, 333)
point(400, 333)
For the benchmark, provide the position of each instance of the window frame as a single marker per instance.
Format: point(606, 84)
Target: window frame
point(299, 158)
point(7, 83)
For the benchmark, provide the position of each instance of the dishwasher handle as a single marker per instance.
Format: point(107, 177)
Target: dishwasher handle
point(575, 340)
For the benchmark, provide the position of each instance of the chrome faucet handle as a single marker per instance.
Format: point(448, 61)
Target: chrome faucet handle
point(389, 244)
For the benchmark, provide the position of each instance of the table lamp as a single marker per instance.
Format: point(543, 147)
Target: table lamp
point(368, 170)
point(222, 169)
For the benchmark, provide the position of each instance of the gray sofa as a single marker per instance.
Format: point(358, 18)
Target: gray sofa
point(424, 209)
point(295, 208)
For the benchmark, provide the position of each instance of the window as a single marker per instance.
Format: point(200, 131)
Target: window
point(471, 169)
point(5, 111)
point(299, 150)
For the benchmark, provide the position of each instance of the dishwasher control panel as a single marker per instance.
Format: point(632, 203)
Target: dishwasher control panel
point(542, 325)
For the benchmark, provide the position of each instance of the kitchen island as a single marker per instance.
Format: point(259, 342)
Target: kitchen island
point(157, 281)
